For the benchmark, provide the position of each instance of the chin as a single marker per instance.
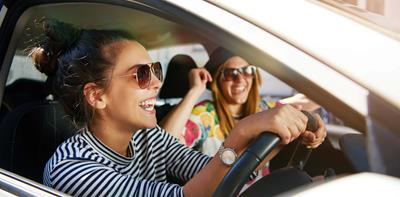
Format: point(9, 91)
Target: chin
point(240, 100)
point(151, 124)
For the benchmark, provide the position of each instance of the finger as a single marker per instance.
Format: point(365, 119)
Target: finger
point(321, 131)
point(314, 144)
point(297, 106)
point(209, 77)
point(285, 136)
point(202, 76)
point(308, 136)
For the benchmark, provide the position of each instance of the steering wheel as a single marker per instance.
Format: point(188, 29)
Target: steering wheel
point(239, 173)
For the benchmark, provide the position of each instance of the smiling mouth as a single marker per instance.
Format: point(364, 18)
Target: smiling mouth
point(148, 104)
point(238, 90)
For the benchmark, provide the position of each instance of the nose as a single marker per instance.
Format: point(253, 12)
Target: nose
point(155, 82)
point(238, 78)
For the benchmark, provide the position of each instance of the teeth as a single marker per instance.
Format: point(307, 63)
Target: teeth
point(148, 105)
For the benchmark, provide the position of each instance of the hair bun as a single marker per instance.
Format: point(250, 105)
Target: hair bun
point(58, 38)
point(43, 61)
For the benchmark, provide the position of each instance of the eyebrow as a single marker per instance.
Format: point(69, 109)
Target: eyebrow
point(132, 68)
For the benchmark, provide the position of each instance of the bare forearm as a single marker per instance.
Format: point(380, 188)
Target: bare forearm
point(207, 180)
point(175, 121)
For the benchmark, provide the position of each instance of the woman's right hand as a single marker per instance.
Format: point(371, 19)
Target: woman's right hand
point(285, 121)
point(198, 79)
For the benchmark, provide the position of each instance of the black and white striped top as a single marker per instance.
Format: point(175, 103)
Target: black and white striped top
point(84, 166)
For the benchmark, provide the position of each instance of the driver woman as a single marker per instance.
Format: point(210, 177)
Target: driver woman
point(108, 84)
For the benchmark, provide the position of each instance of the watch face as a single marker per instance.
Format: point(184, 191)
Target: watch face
point(228, 156)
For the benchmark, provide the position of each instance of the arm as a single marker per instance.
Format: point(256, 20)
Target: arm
point(175, 120)
point(285, 121)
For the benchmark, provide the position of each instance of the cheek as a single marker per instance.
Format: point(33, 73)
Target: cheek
point(125, 95)
point(225, 88)
point(250, 81)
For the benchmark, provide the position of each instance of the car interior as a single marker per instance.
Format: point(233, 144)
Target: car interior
point(33, 123)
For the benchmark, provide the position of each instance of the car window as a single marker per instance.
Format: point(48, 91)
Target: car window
point(22, 68)
point(165, 54)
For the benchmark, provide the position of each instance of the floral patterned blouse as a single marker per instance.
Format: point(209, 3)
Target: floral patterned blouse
point(202, 131)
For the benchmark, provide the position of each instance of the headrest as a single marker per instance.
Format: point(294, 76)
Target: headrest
point(176, 83)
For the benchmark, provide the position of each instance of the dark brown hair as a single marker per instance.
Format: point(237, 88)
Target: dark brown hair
point(73, 57)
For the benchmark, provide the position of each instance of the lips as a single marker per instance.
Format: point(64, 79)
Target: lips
point(148, 104)
point(238, 90)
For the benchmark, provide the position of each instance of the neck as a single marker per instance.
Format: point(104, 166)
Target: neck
point(116, 138)
point(236, 109)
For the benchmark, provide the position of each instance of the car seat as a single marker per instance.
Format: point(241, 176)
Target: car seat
point(30, 134)
point(176, 83)
point(22, 91)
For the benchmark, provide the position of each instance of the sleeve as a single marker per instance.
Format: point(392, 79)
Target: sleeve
point(267, 104)
point(89, 178)
point(182, 161)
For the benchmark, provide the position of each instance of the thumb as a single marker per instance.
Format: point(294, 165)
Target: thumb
point(297, 106)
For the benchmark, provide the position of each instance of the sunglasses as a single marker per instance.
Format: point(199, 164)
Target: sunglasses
point(230, 74)
point(143, 73)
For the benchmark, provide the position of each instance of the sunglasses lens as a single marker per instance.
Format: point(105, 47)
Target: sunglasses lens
point(248, 71)
point(157, 68)
point(229, 74)
point(144, 76)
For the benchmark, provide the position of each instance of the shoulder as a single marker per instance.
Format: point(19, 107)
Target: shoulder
point(203, 106)
point(71, 148)
point(204, 103)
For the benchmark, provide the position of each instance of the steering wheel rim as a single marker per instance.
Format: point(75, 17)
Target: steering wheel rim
point(248, 161)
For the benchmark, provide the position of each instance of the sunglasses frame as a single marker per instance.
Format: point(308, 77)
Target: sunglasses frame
point(145, 83)
point(240, 71)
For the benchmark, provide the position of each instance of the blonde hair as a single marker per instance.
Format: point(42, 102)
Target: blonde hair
point(226, 120)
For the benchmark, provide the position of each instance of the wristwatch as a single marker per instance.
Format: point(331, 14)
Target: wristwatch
point(228, 156)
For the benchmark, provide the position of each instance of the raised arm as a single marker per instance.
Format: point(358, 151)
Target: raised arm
point(175, 120)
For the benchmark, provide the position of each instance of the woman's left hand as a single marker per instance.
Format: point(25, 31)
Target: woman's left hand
point(313, 140)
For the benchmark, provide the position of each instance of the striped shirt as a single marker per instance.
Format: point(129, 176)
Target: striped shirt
point(84, 166)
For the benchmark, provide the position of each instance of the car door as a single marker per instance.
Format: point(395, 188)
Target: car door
point(12, 184)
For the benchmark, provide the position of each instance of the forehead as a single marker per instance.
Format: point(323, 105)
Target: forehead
point(235, 62)
point(131, 54)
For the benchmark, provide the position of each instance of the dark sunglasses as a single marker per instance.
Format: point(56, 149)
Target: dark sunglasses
point(143, 73)
point(230, 74)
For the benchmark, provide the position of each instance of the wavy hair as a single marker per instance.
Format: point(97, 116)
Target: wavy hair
point(226, 119)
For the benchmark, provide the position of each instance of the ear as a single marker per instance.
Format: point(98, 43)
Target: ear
point(94, 95)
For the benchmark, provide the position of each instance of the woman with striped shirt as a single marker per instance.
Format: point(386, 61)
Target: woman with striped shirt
point(108, 85)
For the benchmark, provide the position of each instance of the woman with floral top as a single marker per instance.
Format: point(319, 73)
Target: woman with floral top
point(205, 125)
point(235, 91)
